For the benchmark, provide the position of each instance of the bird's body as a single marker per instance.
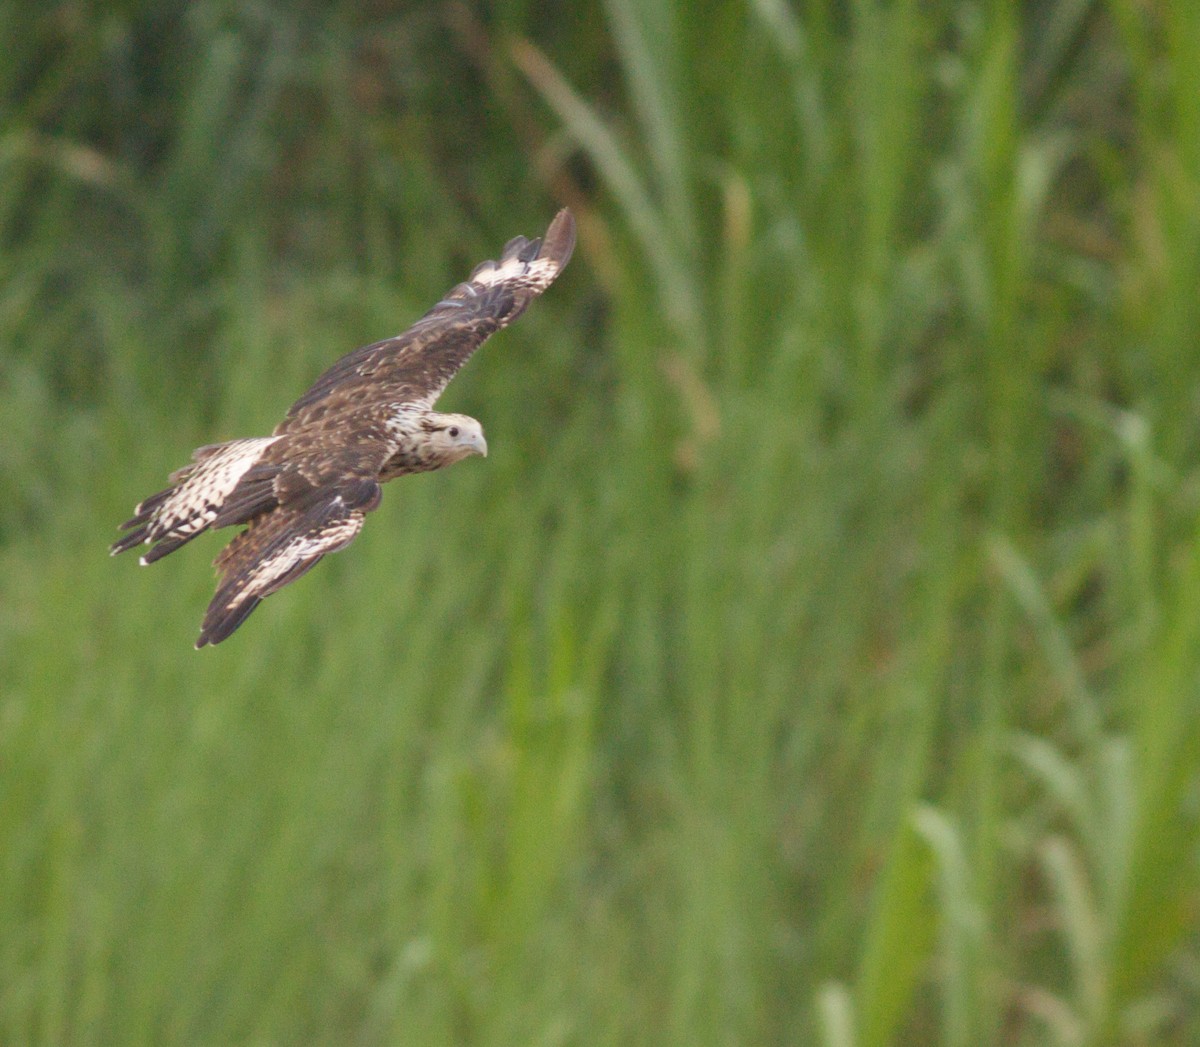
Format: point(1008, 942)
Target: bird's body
point(304, 491)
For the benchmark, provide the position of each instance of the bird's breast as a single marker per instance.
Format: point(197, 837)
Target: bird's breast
point(412, 451)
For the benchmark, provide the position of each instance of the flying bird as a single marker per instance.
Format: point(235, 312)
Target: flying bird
point(304, 490)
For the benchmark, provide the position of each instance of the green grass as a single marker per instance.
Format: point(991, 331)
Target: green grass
point(815, 658)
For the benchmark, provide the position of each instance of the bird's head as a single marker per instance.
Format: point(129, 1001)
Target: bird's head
point(453, 437)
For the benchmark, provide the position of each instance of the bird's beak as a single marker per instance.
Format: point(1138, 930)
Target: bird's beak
point(480, 445)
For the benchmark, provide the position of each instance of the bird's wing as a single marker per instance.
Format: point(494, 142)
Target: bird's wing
point(281, 544)
point(416, 366)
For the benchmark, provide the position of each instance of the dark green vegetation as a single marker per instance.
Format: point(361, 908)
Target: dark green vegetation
point(816, 658)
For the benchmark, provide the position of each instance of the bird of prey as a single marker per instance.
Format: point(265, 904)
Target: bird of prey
point(304, 490)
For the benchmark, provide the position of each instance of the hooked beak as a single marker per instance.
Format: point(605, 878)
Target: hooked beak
point(479, 445)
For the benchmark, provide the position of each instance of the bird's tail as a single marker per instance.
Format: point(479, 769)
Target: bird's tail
point(175, 515)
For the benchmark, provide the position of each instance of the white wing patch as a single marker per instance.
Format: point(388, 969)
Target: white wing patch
point(261, 581)
point(272, 560)
point(171, 517)
point(538, 274)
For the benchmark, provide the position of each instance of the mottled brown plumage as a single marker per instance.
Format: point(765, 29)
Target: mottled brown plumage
point(303, 491)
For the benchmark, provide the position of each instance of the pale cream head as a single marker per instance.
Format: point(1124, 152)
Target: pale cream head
point(453, 437)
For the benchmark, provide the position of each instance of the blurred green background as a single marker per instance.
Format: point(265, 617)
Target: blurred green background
point(816, 657)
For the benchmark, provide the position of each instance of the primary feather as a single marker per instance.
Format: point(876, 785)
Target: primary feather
point(304, 491)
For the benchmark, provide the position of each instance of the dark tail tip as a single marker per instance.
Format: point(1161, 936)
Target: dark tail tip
point(127, 541)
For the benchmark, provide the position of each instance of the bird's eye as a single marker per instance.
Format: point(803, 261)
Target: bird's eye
point(453, 431)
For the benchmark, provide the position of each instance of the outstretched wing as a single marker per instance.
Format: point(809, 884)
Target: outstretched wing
point(416, 366)
point(281, 545)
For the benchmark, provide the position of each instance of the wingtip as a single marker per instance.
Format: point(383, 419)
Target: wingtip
point(206, 637)
point(559, 241)
point(222, 620)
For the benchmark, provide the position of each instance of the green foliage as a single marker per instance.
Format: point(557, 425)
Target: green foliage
point(814, 660)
